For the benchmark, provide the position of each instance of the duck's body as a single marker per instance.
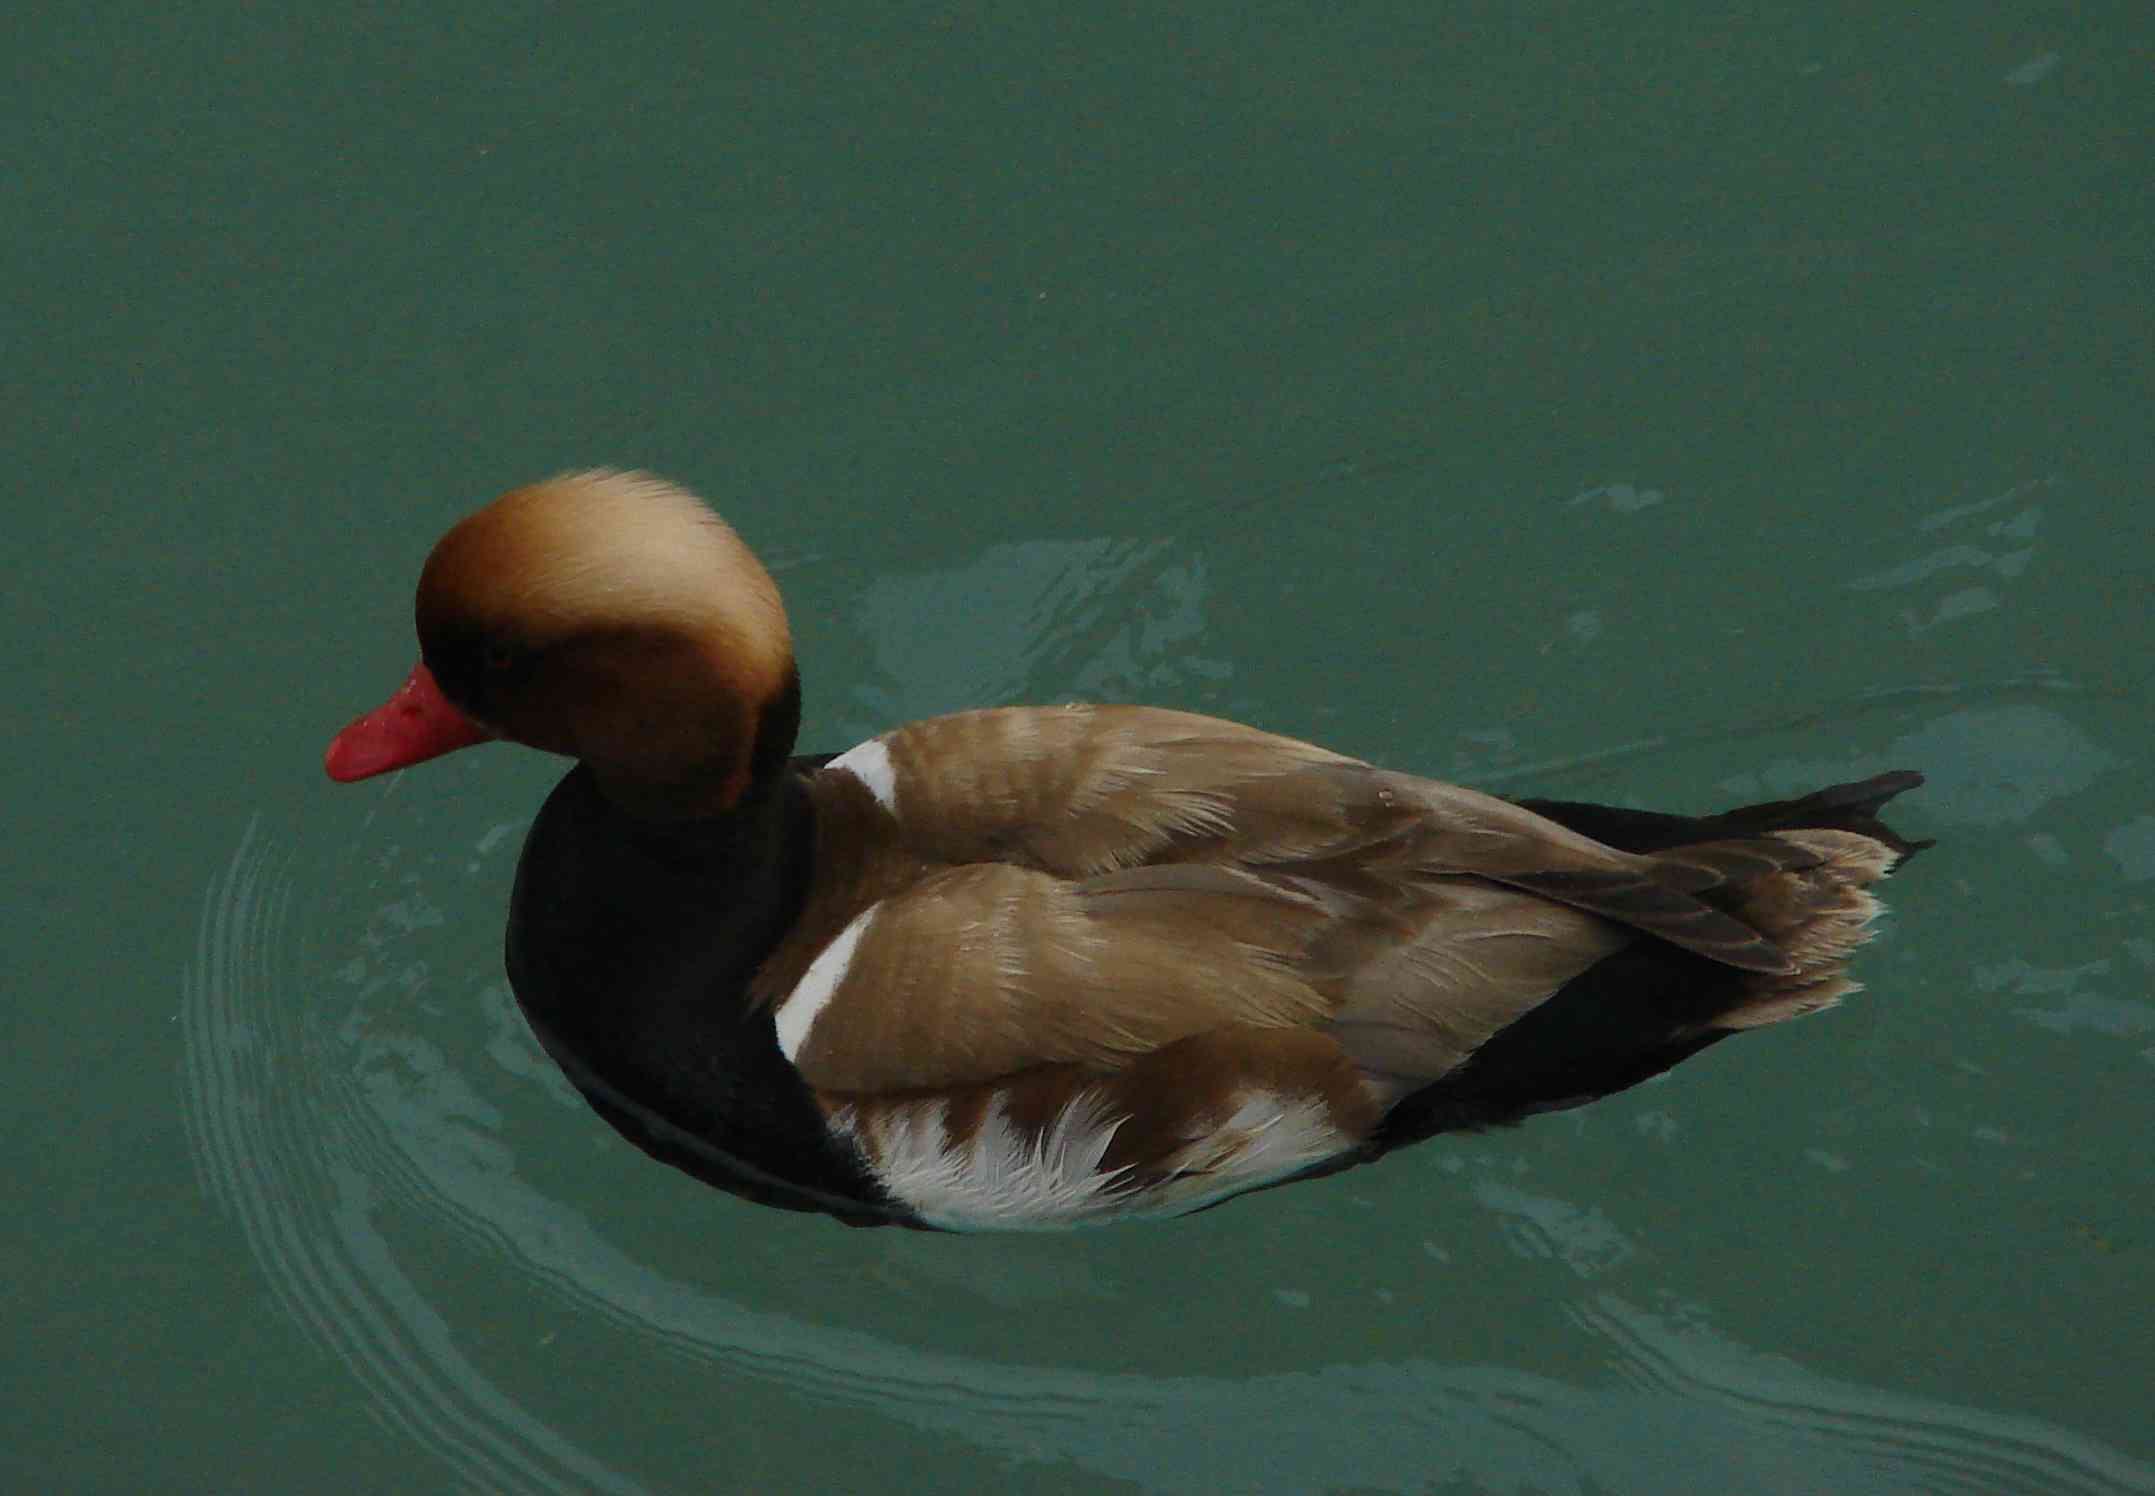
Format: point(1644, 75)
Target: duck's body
point(1038, 967)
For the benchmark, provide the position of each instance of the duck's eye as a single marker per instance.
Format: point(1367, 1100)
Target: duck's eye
point(498, 657)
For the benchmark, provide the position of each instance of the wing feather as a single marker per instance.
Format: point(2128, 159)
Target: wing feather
point(1089, 884)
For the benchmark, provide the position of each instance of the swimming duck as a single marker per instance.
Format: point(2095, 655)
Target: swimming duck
point(1035, 967)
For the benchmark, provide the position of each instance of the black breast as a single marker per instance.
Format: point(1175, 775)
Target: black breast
point(631, 947)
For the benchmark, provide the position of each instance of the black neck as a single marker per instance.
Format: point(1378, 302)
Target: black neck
point(679, 902)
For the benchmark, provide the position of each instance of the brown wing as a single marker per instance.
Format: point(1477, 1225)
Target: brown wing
point(979, 972)
point(1083, 790)
point(1087, 885)
point(986, 971)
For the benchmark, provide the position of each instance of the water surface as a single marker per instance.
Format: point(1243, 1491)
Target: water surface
point(1648, 404)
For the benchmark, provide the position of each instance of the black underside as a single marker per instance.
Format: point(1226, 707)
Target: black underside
point(1627, 1019)
point(1642, 1010)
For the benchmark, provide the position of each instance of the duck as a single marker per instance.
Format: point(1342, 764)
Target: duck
point(1041, 967)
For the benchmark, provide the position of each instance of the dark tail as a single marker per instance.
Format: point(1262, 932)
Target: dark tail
point(1843, 807)
point(1797, 871)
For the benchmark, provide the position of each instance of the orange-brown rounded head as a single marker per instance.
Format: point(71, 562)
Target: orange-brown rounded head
point(610, 616)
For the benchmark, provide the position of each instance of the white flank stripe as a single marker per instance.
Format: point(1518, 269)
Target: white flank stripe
point(870, 763)
point(1266, 1139)
point(797, 1014)
point(1000, 1180)
point(1005, 1179)
point(1281, 1135)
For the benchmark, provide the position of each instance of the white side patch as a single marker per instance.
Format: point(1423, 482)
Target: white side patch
point(870, 763)
point(797, 1013)
point(999, 1180)
point(1267, 1138)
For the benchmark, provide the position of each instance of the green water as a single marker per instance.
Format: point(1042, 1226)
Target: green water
point(1653, 403)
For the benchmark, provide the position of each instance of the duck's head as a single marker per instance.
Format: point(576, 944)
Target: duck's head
point(609, 616)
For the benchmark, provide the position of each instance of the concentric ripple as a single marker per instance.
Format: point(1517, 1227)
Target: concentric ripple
point(358, 1101)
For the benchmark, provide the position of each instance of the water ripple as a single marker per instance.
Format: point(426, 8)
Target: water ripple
point(367, 1166)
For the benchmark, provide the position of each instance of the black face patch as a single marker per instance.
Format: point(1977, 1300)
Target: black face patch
point(479, 670)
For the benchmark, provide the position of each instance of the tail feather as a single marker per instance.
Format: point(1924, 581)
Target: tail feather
point(1797, 872)
point(1818, 916)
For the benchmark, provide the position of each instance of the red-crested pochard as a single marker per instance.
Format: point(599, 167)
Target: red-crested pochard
point(1045, 966)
